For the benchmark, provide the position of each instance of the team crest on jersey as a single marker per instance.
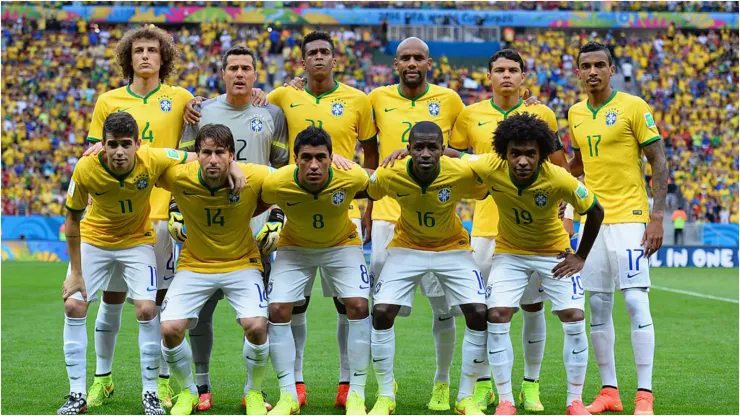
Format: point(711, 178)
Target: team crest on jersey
point(234, 198)
point(611, 118)
point(142, 182)
point(540, 199)
point(337, 107)
point(444, 194)
point(165, 104)
point(337, 198)
point(434, 108)
point(256, 124)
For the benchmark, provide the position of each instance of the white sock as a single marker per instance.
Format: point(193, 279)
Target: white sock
point(107, 325)
point(164, 368)
point(575, 357)
point(180, 359)
point(282, 355)
point(473, 358)
point(299, 328)
point(602, 336)
point(383, 345)
point(444, 345)
point(342, 340)
point(75, 353)
point(533, 342)
point(255, 357)
point(149, 353)
point(501, 359)
point(643, 335)
point(358, 348)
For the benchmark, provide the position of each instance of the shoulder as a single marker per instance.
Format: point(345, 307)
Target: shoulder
point(444, 92)
point(275, 112)
point(178, 92)
point(382, 91)
point(541, 110)
point(554, 173)
point(113, 94)
point(210, 103)
point(351, 91)
point(577, 109)
point(631, 102)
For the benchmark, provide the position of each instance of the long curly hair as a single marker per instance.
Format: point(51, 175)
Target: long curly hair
point(521, 128)
point(167, 50)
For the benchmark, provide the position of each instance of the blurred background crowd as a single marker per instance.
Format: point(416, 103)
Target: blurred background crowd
point(53, 72)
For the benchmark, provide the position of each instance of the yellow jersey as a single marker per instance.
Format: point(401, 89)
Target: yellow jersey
point(119, 215)
point(344, 112)
point(219, 237)
point(316, 220)
point(474, 129)
point(428, 218)
point(610, 138)
point(528, 216)
point(395, 115)
point(159, 116)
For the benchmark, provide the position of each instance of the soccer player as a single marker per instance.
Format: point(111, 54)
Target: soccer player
point(610, 130)
point(429, 238)
point(319, 234)
point(219, 254)
point(262, 137)
point(527, 190)
point(147, 57)
point(473, 129)
point(116, 233)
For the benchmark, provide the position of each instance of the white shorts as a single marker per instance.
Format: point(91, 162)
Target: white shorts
point(326, 288)
point(382, 235)
point(511, 275)
point(135, 267)
point(616, 260)
point(455, 270)
point(483, 254)
point(190, 291)
point(343, 272)
point(165, 255)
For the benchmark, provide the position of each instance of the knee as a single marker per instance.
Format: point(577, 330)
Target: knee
point(535, 307)
point(145, 310)
point(74, 308)
point(475, 316)
point(500, 315)
point(341, 308)
point(302, 308)
point(356, 308)
point(255, 329)
point(384, 315)
point(173, 332)
point(280, 312)
point(570, 315)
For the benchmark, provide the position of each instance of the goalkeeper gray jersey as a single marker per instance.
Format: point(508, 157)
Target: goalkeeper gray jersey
point(260, 133)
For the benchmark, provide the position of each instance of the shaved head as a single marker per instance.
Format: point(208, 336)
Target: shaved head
point(412, 62)
point(414, 43)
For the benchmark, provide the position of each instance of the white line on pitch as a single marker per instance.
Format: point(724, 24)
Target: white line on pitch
point(696, 294)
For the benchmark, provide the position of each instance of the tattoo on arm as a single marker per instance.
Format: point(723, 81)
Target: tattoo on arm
point(655, 153)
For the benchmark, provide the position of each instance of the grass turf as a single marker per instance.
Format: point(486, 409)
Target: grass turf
point(696, 357)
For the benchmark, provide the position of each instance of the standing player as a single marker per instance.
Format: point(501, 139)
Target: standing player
point(147, 57)
point(318, 234)
point(473, 129)
point(610, 130)
point(527, 190)
point(429, 238)
point(262, 137)
point(219, 254)
point(116, 233)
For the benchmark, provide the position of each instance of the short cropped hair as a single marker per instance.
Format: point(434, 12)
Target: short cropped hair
point(316, 35)
point(506, 54)
point(220, 134)
point(239, 50)
point(120, 124)
point(312, 136)
point(594, 47)
point(426, 128)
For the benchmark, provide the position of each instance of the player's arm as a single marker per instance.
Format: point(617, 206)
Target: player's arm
point(378, 184)
point(187, 140)
point(74, 282)
point(279, 152)
point(653, 238)
point(95, 133)
point(575, 165)
point(176, 223)
point(459, 139)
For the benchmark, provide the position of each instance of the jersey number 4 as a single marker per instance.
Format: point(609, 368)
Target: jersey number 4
point(147, 134)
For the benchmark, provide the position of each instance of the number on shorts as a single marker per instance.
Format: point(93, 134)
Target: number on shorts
point(261, 293)
point(481, 281)
point(364, 275)
point(152, 277)
point(171, 263)
point(318, 221)
point(636, 264)
point(577, 285)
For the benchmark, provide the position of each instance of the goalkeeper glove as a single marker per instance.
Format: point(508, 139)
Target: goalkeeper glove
point(269, 235)
point(176, 223)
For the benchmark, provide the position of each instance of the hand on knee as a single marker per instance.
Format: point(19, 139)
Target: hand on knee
point(280, 313)
point(74, 308)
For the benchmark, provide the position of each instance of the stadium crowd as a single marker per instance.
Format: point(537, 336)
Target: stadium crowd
point(53, 73)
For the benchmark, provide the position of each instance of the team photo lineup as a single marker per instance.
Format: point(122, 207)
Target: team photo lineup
point(265, 189)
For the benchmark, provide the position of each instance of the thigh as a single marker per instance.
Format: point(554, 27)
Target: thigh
point(534, 293)
point(382, 236)
point(597, 271)
point(291, 272)
point(116, 282)
point(165, 254)
point(139, 267)
point(459, 277)
point(187, 295)
point(344, 273)
point(96, 270)
point(633, 267)
point(401, 275)
point(245, 292)
point(565, 293)
point(509, 277)
point(483, 248)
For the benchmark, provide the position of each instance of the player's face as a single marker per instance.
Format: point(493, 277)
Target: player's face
point(214, 160)
point(239, 75)
point(121, 152)
point(523, 158)
point(594, 71)
point(412, 63)
point(319, 59)
point(313, 166)
point(506, 76)
point(145, 57)
point(425, 151)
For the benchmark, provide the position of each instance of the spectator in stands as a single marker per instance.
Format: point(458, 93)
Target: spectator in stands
point(679, 220)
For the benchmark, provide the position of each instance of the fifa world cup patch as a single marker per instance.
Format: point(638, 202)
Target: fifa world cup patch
point(71, 188)
point(142, 181)
point(581, 192)
point(649, 120)
point(337, 197)
point(173, 154)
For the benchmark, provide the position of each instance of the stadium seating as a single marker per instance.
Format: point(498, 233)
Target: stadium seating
point(51, 81)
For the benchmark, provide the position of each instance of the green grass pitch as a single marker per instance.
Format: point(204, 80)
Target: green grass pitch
point(696, 357)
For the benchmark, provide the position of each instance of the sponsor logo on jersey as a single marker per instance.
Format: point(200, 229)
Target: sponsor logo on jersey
point(165, 104)
point(540, 199)
point(337, 107)
point(444, 194)
point(611, 118)
point(337, 197)
point(256, 124)
point(142, 181)
point(434, 108)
